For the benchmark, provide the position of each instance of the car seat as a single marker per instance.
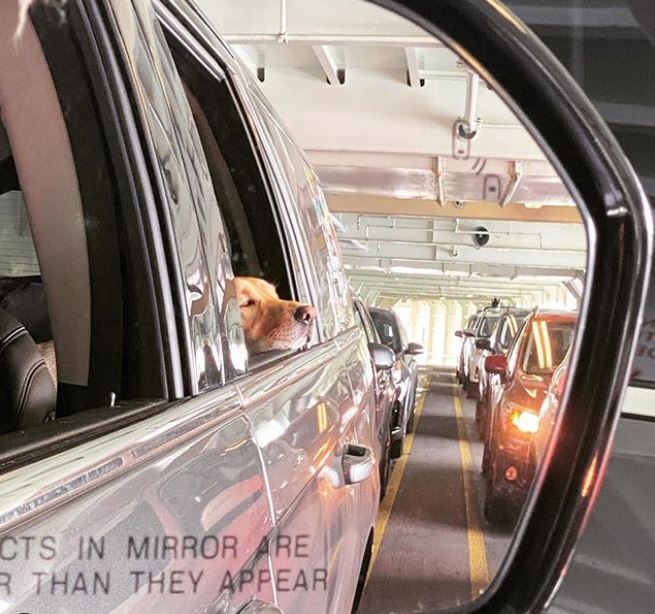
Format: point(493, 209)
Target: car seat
point(27, 393)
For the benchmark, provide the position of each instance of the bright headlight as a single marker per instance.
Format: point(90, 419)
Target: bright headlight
point(525, 421)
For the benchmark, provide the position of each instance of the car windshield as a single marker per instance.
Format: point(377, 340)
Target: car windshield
point(547, 346)
point(487, 326)
point(472, 322)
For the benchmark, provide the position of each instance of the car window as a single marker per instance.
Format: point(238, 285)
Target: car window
point(72, 269)
point(515, 349)
point(324, 251)
point(547, 345)
point(486, 326)
point(385, 324)
point(505, 336)
point(258, 242)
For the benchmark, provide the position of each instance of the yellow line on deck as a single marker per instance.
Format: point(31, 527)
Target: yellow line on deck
point(478, 567)
point(394, 483)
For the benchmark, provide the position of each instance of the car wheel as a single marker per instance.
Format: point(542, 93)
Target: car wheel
point(397, 448)
point(481, 418)
point(486, 457)
point(471, 390)
point(411, 422)
point(363, 572)
point(495, 506)
point(482, 425)
point(385, 466)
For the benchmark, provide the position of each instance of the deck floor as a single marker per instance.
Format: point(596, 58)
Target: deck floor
point(433, 547)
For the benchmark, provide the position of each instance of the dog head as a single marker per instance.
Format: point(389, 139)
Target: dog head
point(270, 323)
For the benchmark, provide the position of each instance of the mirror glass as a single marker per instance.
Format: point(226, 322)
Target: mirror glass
point(458, 235)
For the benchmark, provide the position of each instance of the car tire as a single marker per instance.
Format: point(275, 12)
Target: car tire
point(481, 418)
point(495, 507)
point(411, 422)
point(363, 572)
point(385, 466)
point(486, 457)
point(397, 448)
point(471, 390)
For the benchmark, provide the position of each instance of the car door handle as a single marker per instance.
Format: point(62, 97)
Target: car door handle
point(357, 464)
point(259, 607)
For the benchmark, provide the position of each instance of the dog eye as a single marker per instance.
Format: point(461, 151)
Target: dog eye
point(248, 303)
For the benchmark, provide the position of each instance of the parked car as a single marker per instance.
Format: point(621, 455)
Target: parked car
point(523, 378)
point(463, 334)
point(392, 333)
point(499, 342)
point(386, 389)
point(483, 328)
point(143, 170)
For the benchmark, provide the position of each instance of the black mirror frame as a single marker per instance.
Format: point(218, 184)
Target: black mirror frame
point(619, 224)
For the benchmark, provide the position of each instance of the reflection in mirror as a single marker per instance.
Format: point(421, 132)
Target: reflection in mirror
point(459, 235)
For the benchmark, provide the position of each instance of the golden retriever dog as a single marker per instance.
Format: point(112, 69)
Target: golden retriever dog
point(269, 322)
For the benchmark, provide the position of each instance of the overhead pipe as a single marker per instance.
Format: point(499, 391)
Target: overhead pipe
point(394, 225)
point(518, 248)
point(283, 35)
point(395, 260)
point(468, 127)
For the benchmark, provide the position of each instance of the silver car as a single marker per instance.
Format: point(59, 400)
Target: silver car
point(149, 463)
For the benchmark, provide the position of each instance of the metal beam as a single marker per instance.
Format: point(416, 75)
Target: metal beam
point(373, 205)
point(413, 68)
point(334, 39)
point(326, 56)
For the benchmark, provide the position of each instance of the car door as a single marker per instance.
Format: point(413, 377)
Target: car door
point(145, 504)
point(312, 436)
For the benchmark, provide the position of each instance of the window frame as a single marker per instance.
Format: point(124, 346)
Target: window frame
point(212, 62)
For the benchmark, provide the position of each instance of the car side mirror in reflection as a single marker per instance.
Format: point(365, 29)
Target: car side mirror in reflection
point(496, 364)
point(414, 348)
point(483, 344)
point(383, 356)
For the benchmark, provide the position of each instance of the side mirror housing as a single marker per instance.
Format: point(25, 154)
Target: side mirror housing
point(459, 333)
point(496, 364)
point(414, 348)
point(483, 344)
point(383, 357)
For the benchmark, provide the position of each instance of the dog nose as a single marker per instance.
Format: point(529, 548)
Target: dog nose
point(305, 313)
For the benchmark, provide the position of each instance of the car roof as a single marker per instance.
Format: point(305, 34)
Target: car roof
point(556, 315)
point(379, 310)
